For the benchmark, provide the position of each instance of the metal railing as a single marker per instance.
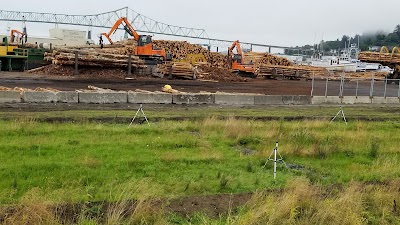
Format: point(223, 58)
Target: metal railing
point(347, 86)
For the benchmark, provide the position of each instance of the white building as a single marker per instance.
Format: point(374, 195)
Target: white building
point(68, 37)
point(59, 37)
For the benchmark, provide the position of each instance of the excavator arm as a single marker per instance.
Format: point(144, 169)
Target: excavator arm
point(236, 45)
point(127, 26)
point(14, 33)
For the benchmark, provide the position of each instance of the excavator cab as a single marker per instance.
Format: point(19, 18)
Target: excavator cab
point(144, 48)
point(144, 40)
point(237, 62)
point(237, 58)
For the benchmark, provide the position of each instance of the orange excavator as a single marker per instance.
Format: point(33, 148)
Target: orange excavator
point(144, 48)
point(236, 60)
point(17, 36)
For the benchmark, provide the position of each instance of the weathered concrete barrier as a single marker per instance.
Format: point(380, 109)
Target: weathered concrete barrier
point(10, 97)
point(268, 100)
point(164, 98)
point(224, 99)
point(383, 100)
point(193, 99)
point(317, 100)
point(103, 98)
point(363, 100)
point(296, 100)
point(392, 100)
point(39, 97)
point(350, 100)
point(68, 97)
point(149, 98)
point(333, 100)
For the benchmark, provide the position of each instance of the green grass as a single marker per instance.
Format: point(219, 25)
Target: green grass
point(202, 112)
point(85, 161)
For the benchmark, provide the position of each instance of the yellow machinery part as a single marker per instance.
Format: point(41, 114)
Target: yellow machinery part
point(11, 48)
point(395, 51)
point(193, 59)
point(3, 50)
point(384, 49)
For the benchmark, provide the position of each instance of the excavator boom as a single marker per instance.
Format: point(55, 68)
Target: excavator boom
point(14, 33)
point(127, 27)
point(236, 45)
point(144, 48)
point(237, 59)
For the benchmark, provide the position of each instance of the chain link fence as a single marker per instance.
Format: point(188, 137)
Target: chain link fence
point(346, 86)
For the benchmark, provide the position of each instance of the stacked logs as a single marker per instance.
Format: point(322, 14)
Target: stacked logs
point(181, 49)
point(376, 57)
point(258, 58)
point(293, 72)
point(92, 58)
point(177, 69)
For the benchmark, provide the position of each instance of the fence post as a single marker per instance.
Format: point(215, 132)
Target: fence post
point(386, 81)
point(371, 95)
point(326, 88)
point(341, 88)
point(357, 89)
point(129, 64)
point(398, 93)
point(76, 72)
point(312, 84)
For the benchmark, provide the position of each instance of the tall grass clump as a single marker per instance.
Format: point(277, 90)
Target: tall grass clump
point(373, 151)
point(237, 129)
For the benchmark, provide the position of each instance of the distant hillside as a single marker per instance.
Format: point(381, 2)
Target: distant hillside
point(366, 42)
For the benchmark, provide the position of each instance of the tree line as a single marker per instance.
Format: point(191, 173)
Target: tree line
point(365, 42)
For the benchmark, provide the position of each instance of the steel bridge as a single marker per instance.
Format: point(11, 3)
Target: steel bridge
point(107, 20)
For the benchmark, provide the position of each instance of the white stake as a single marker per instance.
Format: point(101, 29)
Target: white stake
point(275, 158)
point(275, 151)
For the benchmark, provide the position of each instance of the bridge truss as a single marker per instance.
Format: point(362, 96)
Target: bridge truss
point(107, 20)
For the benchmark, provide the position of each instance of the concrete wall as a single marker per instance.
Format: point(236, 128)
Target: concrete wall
point(39, 97)
point(149, 98)
point(193, 99)
point(163, 98)
point(10, 97)
point(225, 99)
point(103, 98)
point(68, 97)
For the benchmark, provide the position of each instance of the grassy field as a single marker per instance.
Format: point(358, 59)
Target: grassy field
point(201, 112)
point(338, 173)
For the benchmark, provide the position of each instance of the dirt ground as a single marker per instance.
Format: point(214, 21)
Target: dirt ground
point(213, 206)
point(259, 86)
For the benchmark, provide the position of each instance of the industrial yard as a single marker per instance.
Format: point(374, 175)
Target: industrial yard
point(112, 117)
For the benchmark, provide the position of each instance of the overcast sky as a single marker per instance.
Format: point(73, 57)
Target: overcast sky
point(283, 22)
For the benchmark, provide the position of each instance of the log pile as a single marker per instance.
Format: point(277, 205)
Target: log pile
point(258, 58)
point(376, 57)
point(92, 58)
point(180, 50)
point(177, 69)
point(200, 71)
point(20, 89)
point(293, 72)
point(86, 72)
point(219, 74)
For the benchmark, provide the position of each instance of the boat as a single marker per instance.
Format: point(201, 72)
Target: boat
point(346, 62)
